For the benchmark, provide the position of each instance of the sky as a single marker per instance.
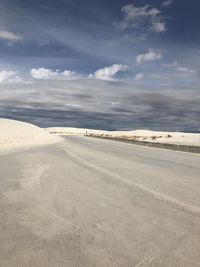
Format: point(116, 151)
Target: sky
point(109, 64)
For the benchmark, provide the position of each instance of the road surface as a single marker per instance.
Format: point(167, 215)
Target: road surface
point(94, 202)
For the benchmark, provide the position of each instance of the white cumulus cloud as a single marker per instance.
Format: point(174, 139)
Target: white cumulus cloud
point(144, 17)
point(159, 27)
point(108, 73)
point(151, 55)
point(138, 77)
point(9, 76)
point(10, 36)
point(43, 73)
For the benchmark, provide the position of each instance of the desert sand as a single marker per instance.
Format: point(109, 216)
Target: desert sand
point(17, 134)
point(177, 138)
point(95, 202)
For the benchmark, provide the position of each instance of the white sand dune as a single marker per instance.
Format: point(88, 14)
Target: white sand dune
point(178, 138)
point(17, 134)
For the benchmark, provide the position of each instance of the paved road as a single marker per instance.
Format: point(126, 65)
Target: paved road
point(92, 202)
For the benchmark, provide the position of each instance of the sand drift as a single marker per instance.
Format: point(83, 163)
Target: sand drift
point(17, 134)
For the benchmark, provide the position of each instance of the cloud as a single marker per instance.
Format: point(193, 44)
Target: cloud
point(120, 105)
point(159, 27)
point(167, 3)
point(47, 74)
point(174, 64)
point(181, 71)
point(145, 17)
point(151, 55)
point(138, 77)
point(10, 36)
point(108, 73)
point(185, 72)
point(9, 76)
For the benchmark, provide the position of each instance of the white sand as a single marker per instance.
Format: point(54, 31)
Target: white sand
point(16, 134)
point(178, 138)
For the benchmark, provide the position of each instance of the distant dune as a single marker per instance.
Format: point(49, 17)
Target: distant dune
point(177, 138)
point(17, 134)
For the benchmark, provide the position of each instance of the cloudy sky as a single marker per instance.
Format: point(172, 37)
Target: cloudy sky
point(109, 64)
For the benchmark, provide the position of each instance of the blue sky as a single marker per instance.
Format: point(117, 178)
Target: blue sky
point(114, 64)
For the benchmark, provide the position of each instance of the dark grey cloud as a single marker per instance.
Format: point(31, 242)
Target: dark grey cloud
point(102, 105)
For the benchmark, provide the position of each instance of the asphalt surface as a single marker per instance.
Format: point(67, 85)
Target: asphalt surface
point(94, 202)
